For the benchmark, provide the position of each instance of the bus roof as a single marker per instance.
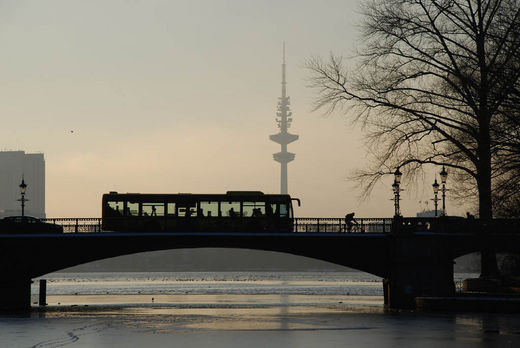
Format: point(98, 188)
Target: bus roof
point(196, 196)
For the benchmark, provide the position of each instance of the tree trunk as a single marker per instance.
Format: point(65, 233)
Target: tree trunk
point(488, 261)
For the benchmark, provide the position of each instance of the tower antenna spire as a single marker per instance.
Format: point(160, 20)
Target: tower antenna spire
point(283, 119)
point(284, 82)
point(283, 53)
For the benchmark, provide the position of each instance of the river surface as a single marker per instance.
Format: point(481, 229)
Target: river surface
point(239, 309)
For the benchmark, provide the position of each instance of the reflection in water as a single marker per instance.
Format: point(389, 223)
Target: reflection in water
point(318, 325)
point(491, 326)
point(284, 310)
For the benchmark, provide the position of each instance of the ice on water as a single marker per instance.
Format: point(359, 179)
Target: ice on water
point(239, 309)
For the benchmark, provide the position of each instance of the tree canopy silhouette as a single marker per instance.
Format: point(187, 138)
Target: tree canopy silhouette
point(435, 83)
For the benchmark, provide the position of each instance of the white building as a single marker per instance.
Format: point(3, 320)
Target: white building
point(13, 166)
point(428, 213)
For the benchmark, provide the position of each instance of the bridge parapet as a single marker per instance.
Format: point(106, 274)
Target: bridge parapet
point(502, 225)
point(77, 225)
point(311, 225)
point(455, 224)
point(442, 224)
point(331, 225)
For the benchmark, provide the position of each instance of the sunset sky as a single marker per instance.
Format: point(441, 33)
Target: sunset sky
point(180, 96)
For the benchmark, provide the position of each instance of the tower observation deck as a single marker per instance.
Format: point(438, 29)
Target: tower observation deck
point(283, 119)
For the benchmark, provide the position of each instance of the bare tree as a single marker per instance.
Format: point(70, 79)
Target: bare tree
point(432, 84)
point(506, 177)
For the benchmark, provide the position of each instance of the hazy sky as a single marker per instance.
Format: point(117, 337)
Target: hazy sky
point(179, 96)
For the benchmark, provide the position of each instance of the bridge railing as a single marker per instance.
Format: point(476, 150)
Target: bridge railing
point(77, 225)
point(447, 224)
point(340, 225)
point(455, 224)
point(331, 225)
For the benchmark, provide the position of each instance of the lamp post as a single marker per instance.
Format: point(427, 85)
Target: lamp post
point(435, 194)
point(23, 187)
point(444, 177)
point(397, 189)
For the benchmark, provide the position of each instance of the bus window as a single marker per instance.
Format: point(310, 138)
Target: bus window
point(170, 207)
point(254, 209)
point(209, 208)
point(231, 209)
point(279, 209)
point(274, 209)
point(153, 209)
point(189, 211)
point(284, 212)
point(115, 208)
point(132, 209)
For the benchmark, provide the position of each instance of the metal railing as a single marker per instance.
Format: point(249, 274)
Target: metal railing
point(330, 225)
point(455, 224)
point(77, 225)
point(340, 225)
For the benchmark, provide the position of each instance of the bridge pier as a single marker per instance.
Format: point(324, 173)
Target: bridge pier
point(404, 285)
point(420, 267)
point(15, 294)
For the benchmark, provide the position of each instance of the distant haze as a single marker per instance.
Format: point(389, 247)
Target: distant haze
point(180, 96)
point(214, 260)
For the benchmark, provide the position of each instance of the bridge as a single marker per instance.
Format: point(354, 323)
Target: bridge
point(414, 256)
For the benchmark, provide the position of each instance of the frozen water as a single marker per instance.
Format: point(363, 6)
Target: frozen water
point(239, 310)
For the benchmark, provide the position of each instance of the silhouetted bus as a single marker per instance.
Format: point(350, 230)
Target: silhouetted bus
point(235, 211)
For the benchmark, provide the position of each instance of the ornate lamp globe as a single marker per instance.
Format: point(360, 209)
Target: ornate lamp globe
point(23, 187)
point(435, 186)
point(444, 175)
point(397, 176)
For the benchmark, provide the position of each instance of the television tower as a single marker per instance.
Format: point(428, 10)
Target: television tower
point(284, 119)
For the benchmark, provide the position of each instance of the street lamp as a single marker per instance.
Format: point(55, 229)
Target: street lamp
point(23, 187)
point(397, 176)
point(435, 194)
point(444, 177)
point(397, 189)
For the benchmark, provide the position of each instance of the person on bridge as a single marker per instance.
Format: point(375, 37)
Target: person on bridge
point(350, 221)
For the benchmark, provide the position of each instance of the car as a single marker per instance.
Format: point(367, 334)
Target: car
point(27, 224)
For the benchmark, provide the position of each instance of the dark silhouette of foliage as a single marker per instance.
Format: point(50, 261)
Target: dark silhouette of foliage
point(435, 83)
